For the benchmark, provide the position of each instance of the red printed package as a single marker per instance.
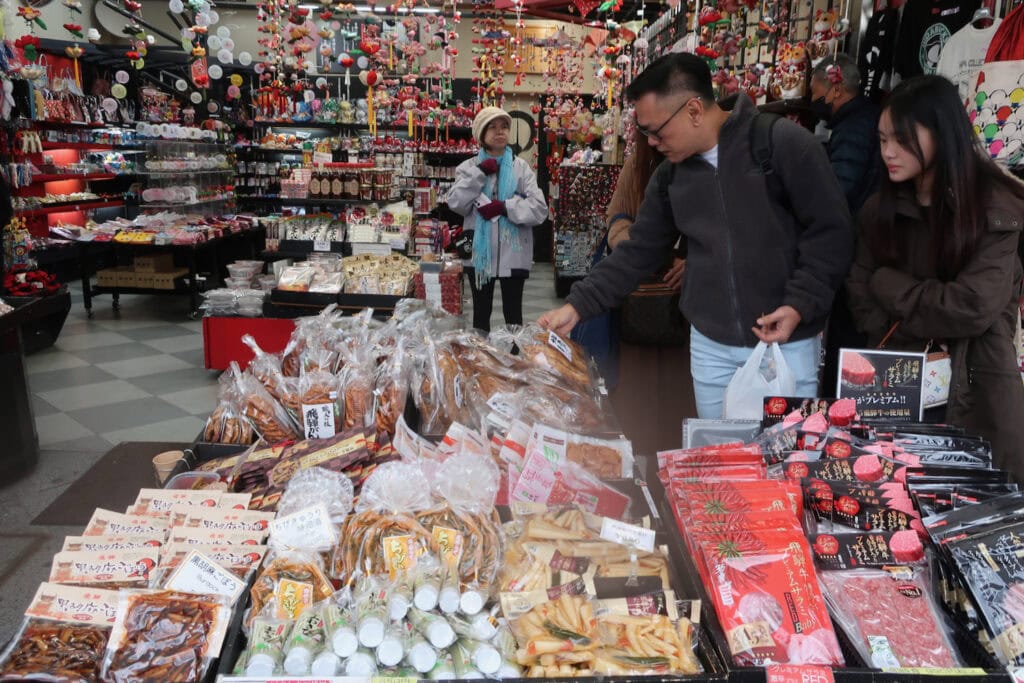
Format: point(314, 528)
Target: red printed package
point(721, 454)
point(890, 617)
point(740, 496)
point(767, 600)
point(709, 472)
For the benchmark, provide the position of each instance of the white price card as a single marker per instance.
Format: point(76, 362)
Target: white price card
point(627, 534)
point(321, 245)
point(308, 528)
point(197, 573)
point(318, 420)
point(560, 345)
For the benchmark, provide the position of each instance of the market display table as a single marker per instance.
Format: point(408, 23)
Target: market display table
point(214, 254)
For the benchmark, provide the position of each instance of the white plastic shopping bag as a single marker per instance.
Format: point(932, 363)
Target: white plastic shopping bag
point(764, 374)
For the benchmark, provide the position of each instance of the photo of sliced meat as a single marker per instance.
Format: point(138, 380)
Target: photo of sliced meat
point(816, 648)
point(857, 369)
point(884, 615)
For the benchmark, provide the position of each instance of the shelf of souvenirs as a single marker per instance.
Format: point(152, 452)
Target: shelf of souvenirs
point(65, 207)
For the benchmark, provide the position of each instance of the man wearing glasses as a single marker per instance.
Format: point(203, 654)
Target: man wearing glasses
point(761, 264)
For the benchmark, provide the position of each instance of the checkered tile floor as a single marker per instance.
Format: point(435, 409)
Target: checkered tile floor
point(139, 376)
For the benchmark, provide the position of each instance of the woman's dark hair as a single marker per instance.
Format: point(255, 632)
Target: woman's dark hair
point(964, 176)
point(645, 159)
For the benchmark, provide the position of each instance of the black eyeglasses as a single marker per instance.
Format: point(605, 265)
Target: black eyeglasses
point(654, 133)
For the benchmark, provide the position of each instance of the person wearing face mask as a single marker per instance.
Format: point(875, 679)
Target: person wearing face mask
point(761, 265)
point(497, 192)
point(937, 260)
point(852, 148)
point(852, 120)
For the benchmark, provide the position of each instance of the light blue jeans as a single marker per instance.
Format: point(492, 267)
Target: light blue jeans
point(712, 365)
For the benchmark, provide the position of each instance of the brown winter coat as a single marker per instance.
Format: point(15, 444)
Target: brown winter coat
point(976, 314)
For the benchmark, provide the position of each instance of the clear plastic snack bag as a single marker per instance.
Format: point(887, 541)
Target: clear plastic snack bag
point(383, 536)
point(315, 485)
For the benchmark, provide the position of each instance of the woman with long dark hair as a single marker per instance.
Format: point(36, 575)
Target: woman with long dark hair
point(937, 259)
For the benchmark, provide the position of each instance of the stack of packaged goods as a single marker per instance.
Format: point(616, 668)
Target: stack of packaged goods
point(141, 594)
point(821, 516)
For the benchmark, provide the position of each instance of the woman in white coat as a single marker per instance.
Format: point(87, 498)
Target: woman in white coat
point(497, 193)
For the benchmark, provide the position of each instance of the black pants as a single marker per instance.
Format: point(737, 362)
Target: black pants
point(511, 299)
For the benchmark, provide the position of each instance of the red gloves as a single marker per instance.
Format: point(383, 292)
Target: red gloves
point(493, 210)
point(489, 166)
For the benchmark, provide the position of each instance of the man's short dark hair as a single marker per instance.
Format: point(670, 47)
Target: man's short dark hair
point(672, 74)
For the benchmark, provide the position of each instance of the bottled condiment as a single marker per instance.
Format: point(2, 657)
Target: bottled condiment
point(315, 183)
point(337, 184)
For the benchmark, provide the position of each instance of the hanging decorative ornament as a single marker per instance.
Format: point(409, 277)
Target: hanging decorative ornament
point(236, 80)
point(216, 72)
point(122, 77)
point(369, 78)
point(225, 56)
point(176, 6)
point(346, 61)
point(196, 97)
point(93, 35)
point(213, 42)
point(228, 44)
point(224, 32)
point(234, 92)
point(119, 91)
point(363, 62)
point(244, 58)
point(202, 19)
point(214, 17)
point(109, 104)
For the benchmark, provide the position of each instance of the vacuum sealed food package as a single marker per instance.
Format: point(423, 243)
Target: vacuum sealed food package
point(63, 638)
point(891, 617)
point(763, 588)
point(165, 635)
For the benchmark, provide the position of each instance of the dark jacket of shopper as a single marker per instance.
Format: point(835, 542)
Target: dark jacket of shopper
point(747, 252)
point(853, 150)
point(975, 313)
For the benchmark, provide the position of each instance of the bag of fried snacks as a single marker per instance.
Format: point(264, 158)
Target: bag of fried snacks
point(320, 404)
point(63, 637)
point(288, 583)
point(383, 536)
point(647, 635)
point(190, 634)
point(551, 351)
point(226, 423)
point(357, 383)
point(391, 387)
point(267, 417)
point(465, 532)
point(557, 638)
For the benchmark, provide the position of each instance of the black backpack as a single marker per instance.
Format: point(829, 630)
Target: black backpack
point(762, 149)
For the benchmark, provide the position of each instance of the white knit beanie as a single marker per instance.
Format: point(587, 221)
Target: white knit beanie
point(484, 117)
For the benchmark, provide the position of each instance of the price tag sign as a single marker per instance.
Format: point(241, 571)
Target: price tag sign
point(321, 245)
point(792, 673)
point(308, 528)
point(372, 248)
point(199, 574)
point(627, 534)
point(318, 420)
point(560, 345)
point(323, 158)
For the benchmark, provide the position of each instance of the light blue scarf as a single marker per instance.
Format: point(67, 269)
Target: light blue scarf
point(484, 262)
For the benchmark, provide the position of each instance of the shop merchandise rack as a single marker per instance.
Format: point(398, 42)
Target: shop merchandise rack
point(980, 666)
point(580, 220)
point(188, 175)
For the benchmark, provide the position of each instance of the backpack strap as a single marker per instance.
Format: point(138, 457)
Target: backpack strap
point(762, 149)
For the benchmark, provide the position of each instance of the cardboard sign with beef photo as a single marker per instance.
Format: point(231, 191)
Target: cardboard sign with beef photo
point(887, 385)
